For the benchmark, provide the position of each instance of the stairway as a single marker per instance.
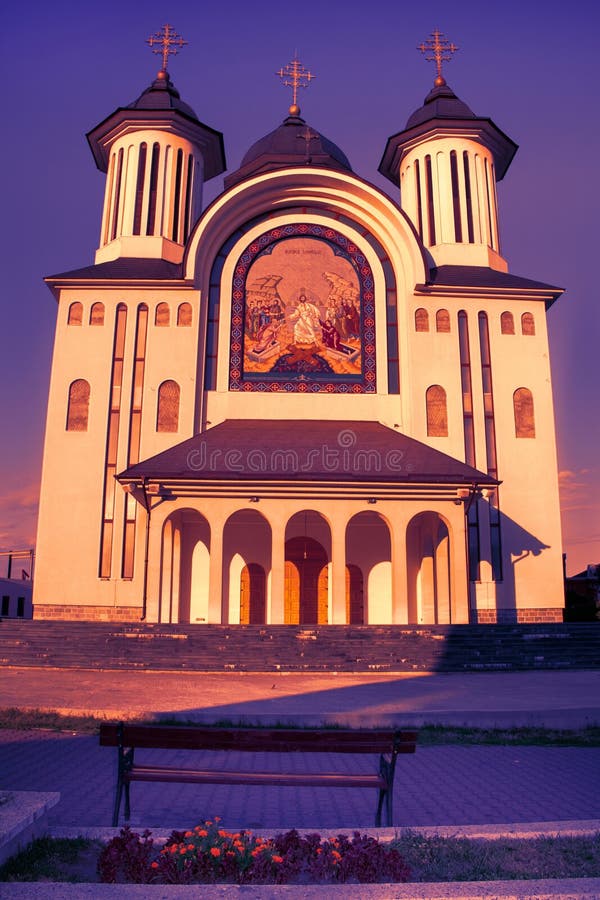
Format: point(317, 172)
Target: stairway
point(293, 648)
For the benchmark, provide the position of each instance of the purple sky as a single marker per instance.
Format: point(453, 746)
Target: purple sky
point(528, 66)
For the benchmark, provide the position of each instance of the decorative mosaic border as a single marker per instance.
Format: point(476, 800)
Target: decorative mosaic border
point(343, 384)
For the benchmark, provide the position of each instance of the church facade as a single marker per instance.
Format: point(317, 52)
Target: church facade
point(308, 403)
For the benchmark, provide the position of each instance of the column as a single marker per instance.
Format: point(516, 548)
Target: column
point(338, 571)
point(215, 576)
point(277, 580)
point(399, 572)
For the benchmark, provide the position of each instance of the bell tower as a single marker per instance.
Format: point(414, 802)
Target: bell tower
point(156, 155)
point(447, 162)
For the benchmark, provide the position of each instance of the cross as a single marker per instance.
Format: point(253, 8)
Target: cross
point(307, 136)
point(169, 40)
point(442, 51)
point(294, 75)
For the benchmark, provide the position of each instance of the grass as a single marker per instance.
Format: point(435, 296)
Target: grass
point(429, 735)
point(463, 859)
point(429, 858)
point(53, 859)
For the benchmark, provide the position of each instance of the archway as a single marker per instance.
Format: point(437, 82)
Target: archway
point(368, 570)
point(429, 574)
point(185, 560)
point(246, 559)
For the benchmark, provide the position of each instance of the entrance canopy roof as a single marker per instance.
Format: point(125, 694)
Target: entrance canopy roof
point(293, 450)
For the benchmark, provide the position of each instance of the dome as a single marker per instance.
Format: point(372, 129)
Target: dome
point(162, 94)
point(293, 143)
point(440, 103)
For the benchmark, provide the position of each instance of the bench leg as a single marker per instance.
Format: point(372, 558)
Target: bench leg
point(117, 806)
point(389, 799)
point(127, 807)
point(382, 795)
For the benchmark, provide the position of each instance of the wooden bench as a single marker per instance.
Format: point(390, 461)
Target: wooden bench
point(388, 743)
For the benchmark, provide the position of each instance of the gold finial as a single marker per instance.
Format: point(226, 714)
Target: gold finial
point(294, 75)
point(442, 51)
point(168, 41)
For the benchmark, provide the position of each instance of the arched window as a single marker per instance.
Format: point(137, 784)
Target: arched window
point(184, 315)
point(437, 412)
point(524, 418)
point(442, 320)
point(79, 403)
point(97, 314)
point(527, 323)
point(75, 316)
point(421, 320)
point(162, 317)
point(167, 416)
point(507, 323)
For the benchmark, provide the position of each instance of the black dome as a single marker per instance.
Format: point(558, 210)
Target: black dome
point(440, 103)
point(162, 94)
point(292, 144)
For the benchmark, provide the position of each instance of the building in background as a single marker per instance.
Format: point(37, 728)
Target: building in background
point(308, 403)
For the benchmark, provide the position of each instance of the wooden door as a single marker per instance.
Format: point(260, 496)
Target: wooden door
point(355, 612)
point(252, 595)
point(306, 582)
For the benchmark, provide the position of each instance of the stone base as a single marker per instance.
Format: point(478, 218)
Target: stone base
point(516, 616)
point(71, 613)
point(23, 817)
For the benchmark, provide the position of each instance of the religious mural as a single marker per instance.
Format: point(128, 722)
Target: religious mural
point(303, 314)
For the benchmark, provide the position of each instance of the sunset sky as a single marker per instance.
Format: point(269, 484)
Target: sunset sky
point(531, 67)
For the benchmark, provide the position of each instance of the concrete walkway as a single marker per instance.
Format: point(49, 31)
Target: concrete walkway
point(550, 698)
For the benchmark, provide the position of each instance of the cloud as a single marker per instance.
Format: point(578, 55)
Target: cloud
point(18, 516)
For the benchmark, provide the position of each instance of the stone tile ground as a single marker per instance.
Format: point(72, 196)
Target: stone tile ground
point(451, 785)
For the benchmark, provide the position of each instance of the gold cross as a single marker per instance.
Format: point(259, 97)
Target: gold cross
point(294, 75)
point(169, 41)
point(442, 51)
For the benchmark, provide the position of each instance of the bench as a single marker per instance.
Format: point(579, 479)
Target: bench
point(388, 743)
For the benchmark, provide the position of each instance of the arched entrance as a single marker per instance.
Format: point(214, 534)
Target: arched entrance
point(253, 595)
point(246, 559)
point(429, 576)
point(306, 597)
point(185, 559)
point(368, 570)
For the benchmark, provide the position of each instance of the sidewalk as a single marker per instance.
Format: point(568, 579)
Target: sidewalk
point(505, 699)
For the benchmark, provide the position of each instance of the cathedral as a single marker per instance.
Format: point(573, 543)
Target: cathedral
point(308, 403)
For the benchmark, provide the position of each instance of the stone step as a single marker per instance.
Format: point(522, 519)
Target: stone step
point(299, 648)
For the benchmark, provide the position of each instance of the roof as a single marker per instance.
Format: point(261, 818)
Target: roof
point(293, 143)
point(123, 269)
point(162, 94)
point(483, 279)
point(305, 451)
point(440, 103)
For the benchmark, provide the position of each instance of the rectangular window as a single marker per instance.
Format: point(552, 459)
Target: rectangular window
point(135, 429)
point(430, 204)
point(5, 605)
point(468, 198)
point(467, 390)
point(419, 200)
point(490, 445)
point(112, 442)
point(20, 607)
point(455, 197)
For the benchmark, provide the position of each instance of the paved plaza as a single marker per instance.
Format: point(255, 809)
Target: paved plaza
point(439, 785)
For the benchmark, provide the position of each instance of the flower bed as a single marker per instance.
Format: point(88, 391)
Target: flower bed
point(209, 854)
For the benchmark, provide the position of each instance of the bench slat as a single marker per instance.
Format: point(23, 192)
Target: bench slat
point(258, 739)
point(215, 776)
